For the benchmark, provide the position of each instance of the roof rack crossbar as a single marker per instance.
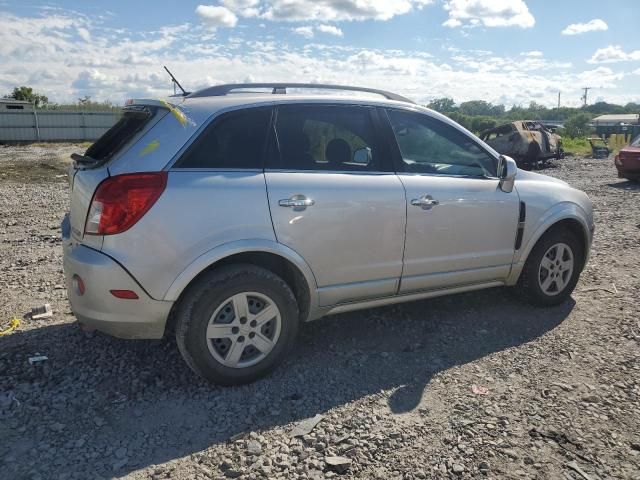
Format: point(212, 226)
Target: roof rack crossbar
point(281, 88)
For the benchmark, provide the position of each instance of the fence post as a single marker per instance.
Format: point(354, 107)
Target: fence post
point(35, 116)
point(84, 127)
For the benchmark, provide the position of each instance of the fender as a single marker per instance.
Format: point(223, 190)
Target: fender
point(560, 211)
point(241, 246)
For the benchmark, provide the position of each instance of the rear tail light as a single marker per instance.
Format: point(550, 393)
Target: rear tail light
point(120, 201)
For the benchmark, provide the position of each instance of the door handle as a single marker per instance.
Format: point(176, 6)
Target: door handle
point(427, 202)
point(297, 202)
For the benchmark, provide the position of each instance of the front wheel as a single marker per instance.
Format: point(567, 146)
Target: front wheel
point(552, 270)
point(236, 324)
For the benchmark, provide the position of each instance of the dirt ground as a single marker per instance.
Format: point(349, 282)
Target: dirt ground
point(471, 386)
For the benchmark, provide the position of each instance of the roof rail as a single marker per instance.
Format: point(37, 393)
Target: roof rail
point(281, 88)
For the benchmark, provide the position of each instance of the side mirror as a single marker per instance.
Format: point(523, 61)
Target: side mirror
point(362, 156)
point(509, 170)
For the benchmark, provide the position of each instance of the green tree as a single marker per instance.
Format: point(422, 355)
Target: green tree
point(600, 108)
point(479, 124)
point(476, 107)
point(442, 105)
point(577, 125)
point(27, 93)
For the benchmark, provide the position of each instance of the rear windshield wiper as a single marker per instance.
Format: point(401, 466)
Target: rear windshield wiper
point(83, 159)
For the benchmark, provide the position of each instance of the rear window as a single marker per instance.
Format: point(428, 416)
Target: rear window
point(327, 137)
point(236, 140)
point(132, 121)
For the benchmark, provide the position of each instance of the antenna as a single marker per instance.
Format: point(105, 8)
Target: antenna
point(175, 82)
point(584, 97)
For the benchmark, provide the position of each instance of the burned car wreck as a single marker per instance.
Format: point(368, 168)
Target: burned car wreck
point(530, 143)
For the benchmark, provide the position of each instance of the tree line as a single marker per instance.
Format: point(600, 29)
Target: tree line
point(42, 101)
point(475, 115)
point(479, 115)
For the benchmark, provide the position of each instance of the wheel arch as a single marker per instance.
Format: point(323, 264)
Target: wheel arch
point(272, 256)
point(568, 215)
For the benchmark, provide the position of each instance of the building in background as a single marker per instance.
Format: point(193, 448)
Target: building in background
point(12, 104)
point(627, 124)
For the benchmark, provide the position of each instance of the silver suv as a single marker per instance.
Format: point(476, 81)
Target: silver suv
point(233, 214)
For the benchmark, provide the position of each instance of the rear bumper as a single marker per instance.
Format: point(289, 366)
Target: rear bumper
point(97, 308)
point(628, 168)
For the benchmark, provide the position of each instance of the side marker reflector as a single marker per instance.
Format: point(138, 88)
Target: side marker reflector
point(126, 294)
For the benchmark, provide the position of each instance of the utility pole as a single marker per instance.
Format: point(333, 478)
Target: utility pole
point(558, 99)
point(584, 97)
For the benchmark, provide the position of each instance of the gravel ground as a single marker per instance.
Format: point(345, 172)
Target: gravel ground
point(471, 386)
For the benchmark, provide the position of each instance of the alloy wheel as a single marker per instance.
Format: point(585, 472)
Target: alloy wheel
point(243, 329)
point(556, 269)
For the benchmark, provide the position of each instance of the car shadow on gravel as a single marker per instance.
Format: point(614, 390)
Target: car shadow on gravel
point(115, 406)
point(626, 185)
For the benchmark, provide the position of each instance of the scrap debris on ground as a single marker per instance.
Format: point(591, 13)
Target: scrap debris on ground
point(557, 391)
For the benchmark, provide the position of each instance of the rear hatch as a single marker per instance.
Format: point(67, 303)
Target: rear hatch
point(90, 169)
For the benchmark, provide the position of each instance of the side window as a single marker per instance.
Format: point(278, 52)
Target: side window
point(428, 145)
point(322, 137)
point(235, 140)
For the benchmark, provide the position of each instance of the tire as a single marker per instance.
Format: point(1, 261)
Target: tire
point(535, 276)
point(214, 307)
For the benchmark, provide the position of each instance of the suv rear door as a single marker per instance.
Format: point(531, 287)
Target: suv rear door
point(461, 227)
point(335, 199)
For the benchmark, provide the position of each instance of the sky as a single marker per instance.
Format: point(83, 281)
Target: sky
point(502, 51)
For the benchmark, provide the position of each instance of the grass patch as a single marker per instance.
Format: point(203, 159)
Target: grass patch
point(576, 146)
point(581, 147)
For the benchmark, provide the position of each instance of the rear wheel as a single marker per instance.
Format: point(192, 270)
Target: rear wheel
point(552, 270)
point(236, 324)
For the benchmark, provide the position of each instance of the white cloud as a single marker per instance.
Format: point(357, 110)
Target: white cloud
point(306, 31)
point(91, 80)
point(330, 29)
point(244, 8)
point(489, 13)
point(216, 16)
point(452, 23)
point(84, 34)
point(323, 10)
point(612, 54)
point(636, 71)
point(391, 62)
point(600, 77)
point(532, 53)
point(119, 64)
point(337, 10)
point(591, 26)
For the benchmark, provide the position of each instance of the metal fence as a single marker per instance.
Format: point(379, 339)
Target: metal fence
point(51, 125)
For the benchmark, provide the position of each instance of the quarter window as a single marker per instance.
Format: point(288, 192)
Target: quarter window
point(430, 146)
point(234, 141)
point(336, 138)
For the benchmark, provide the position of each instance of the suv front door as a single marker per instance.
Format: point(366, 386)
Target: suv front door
point(335, 199)
point(461, 227)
